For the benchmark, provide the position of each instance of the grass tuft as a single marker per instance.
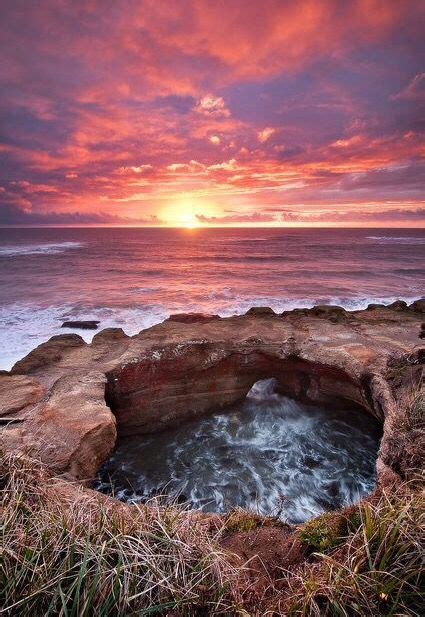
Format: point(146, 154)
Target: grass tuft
point(325, 531)
point(242, 521)
point(414, 417)
point(66, 557)
point(377, 571)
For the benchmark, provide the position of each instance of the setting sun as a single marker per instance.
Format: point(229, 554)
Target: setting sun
point(188, 220)
point(186, 212)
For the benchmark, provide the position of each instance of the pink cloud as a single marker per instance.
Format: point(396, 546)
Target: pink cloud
point(211, 105)
point(134, 101)
point(265, 134)
point(415, 90)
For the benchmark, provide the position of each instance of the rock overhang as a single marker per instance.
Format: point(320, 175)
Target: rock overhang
point(191, 366)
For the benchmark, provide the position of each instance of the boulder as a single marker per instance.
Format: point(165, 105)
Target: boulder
point(73, 431)
point(330, 311)
point(260, 310)
point(398, 305)
point(47, 353)
point(82, 325)
point(109, 334)
point(189, 318)
point(418, 306)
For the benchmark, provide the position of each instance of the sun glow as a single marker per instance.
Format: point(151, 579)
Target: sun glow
point(185, 212)
point(188, 220)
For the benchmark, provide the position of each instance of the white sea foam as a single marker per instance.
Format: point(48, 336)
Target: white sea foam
point(239, 305)
point(398, 239)
point(14, 250)
point(24, 326)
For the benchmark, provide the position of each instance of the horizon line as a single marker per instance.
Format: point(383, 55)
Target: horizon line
point(200, 227)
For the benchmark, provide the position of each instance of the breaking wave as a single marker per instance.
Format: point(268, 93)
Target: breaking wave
point(38, 249)
point(398, 239)
point(24, 326)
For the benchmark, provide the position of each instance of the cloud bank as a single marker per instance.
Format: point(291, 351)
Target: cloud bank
point(139, 112)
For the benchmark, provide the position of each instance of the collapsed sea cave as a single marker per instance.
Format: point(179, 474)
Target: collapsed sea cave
point(227, 435)
point(190, 396)
point(78, 403)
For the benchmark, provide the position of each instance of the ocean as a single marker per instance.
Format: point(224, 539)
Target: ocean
point(134, 278)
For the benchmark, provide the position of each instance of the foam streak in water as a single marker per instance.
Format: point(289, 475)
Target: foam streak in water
point(37, 249)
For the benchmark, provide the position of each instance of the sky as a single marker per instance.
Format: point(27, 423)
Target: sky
point(224, 112)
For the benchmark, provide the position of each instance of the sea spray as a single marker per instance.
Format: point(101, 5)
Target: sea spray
point(270, 454)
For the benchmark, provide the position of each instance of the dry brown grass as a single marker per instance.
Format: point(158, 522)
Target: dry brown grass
point(376, 570)
point(73, 559)
point(414, 418)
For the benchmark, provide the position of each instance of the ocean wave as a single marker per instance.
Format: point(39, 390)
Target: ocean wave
point(145, 290)
point(38, 249)
point(239, 306)
point(238, 239)
point(399, 239)
point(25, 325)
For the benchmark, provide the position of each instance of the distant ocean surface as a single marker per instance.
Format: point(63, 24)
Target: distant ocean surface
point(134, 278)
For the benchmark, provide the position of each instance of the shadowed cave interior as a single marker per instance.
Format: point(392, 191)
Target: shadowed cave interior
point(291, 446)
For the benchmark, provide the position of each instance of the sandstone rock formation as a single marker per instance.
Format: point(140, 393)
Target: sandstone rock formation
point(72, 397)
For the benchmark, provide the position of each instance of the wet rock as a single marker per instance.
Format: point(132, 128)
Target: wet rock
point(418, 306)
point(260, 310)
point(329, 311)
point(310, 462)
point(375, 306)
point(398, 305)
point(297, 311)
point(82, 325)
point(190, 318)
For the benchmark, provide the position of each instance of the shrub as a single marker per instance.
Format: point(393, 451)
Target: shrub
point(325, 531)
point(377, 571)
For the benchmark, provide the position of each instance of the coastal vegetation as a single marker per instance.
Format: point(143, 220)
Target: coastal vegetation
point(67, 557)
point(70, 551)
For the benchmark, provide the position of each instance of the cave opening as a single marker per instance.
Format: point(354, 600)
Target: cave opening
point(291, 446)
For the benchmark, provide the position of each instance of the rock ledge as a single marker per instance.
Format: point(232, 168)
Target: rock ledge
point(71, 397)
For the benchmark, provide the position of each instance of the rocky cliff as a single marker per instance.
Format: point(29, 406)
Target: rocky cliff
point(65, 401)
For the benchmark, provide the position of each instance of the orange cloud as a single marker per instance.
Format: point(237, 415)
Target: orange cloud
point(120, 107)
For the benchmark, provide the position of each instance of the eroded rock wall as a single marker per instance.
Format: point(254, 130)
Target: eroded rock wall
point(186, 381)
point(192, 365)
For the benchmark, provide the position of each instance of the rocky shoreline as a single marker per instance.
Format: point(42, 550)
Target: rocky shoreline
point(65, 401)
